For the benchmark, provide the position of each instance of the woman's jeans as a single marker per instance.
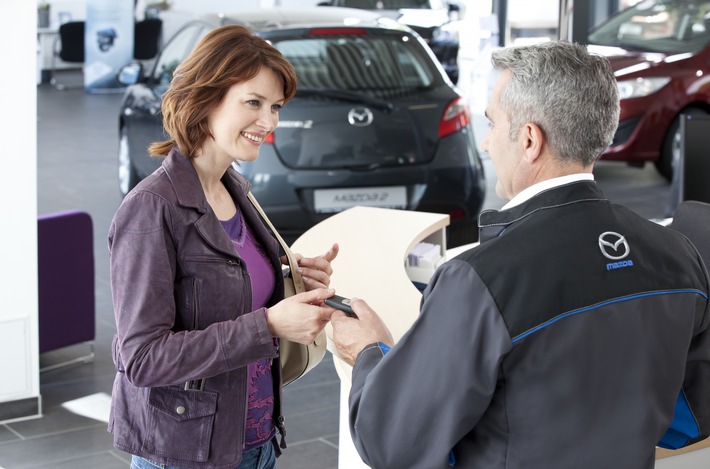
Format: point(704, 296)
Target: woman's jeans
point(262, 457)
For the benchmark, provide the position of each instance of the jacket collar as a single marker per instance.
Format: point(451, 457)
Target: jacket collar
point(186, 183)
point(188, 190)
point(493, 222)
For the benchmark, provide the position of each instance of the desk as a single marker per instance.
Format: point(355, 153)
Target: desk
point(695, 456)
point(374, 243)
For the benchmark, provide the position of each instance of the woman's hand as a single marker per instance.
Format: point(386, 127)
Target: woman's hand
point(316, 271)
point(300, 318)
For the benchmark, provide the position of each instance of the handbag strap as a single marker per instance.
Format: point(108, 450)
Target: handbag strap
point(292, 262)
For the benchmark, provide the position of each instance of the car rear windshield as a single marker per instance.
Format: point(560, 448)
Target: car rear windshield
point(671, 27)
point(381, 66)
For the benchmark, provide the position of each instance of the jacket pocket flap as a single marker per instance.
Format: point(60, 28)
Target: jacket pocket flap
point(183, 405)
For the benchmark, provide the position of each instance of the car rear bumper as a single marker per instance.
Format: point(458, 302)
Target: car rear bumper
point(452, 183)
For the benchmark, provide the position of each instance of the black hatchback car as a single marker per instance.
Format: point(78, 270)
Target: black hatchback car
point(374, 121)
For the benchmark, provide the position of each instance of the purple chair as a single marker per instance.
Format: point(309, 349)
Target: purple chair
point(67, 310)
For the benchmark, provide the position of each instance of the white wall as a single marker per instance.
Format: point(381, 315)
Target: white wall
point(19, 349)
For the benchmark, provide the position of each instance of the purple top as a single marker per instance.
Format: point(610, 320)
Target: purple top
point(260, 408)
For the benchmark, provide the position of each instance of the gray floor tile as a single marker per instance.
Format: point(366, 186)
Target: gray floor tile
point(318, 454)
point(7, 434)
point(54, 420)
point(104, 460)
point(55, 447)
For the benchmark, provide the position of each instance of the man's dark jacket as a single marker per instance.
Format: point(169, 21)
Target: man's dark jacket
point(575, 336)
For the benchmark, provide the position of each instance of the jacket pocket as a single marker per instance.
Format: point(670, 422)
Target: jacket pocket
point(181, 423)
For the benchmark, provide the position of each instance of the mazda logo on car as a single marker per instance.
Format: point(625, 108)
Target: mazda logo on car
point(360, 117)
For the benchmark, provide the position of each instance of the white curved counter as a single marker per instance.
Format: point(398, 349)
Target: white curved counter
point(374, 243)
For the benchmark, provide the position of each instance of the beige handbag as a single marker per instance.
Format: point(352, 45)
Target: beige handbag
point(296, 359)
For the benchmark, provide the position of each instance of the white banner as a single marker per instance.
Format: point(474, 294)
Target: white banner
point(108, 42)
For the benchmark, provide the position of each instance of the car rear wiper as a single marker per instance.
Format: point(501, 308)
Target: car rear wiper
point(345, 95)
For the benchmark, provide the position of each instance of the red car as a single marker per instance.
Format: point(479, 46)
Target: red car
point(660, 52)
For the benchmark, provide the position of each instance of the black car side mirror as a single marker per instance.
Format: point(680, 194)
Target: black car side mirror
point(130, 74)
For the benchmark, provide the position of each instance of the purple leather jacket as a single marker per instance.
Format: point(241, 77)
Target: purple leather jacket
point(182, 300)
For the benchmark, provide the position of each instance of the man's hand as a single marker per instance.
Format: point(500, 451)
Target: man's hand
point(351, 335)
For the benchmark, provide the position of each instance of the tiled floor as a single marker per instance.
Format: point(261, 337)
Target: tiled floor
point(77, 143)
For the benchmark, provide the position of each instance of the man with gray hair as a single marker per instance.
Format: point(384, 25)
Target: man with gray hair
point(574, 336)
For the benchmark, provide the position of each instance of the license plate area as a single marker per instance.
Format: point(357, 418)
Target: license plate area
point(337, 200)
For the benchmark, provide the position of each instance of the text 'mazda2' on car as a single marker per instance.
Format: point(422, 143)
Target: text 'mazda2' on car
point(660, 52)
point(375, 121)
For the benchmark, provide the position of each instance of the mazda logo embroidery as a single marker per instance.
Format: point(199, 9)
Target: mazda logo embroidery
point(613, 245)
point(360, 117)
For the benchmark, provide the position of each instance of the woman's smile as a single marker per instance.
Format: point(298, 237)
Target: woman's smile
point(253, 137)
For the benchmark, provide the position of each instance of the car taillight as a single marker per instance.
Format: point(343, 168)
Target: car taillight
point(457, 214)
point(456, 117)
point(337, 32)
point(269, 138)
